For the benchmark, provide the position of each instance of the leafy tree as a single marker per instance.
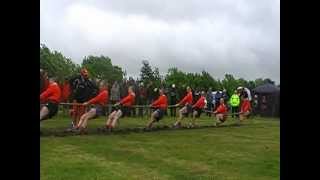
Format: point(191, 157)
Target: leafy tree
point(259, 82)
point(56, 64)
point(102, 68)
point(146, 73)
point(156, 77)
point(230, 83)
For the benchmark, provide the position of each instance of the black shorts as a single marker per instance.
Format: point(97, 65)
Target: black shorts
point(160, 113)
point(199, 111)
point(53, 109)
point(189, 110)
point(124, 109)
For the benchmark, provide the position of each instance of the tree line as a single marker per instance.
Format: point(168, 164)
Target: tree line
point(101, 68)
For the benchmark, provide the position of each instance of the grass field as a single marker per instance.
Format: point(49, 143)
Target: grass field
point(248, 152)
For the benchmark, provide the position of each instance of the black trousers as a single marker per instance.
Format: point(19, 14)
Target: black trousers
point(209, 108)
point(142, 101)
point(235, 109)
point(173, 110)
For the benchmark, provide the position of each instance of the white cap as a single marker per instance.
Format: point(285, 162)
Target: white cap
point(173, 85)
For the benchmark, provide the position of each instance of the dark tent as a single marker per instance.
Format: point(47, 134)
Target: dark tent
point(267, 89)
point(268, 100)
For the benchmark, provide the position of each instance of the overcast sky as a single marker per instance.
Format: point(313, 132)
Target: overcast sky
point(240, 37)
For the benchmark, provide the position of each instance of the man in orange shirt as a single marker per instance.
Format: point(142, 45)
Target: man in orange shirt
point(65, 91)
point(161, 105)
point(98, 110)
point(51, 97)
point(221, 112)
point(121, 108)
point(187, 102)
point(197, 108)
point(245, 108)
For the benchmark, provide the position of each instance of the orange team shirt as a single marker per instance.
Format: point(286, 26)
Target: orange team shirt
point(187, 99)
point(161, 102)
point(52, 93)
point(246, 106)
point(65, 91)
point(128, 100)
point(45, 85)
point(101, 98)
point(222, 109)
point(200, 103)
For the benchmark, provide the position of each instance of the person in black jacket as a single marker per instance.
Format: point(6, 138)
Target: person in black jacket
point(82, 89)
point(141, 98)
point(217, 97)
point(209, 99)
point(173, 100)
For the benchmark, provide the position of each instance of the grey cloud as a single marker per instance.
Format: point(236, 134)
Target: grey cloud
point(237, 37)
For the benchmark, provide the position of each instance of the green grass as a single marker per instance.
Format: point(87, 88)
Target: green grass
point(248, 152)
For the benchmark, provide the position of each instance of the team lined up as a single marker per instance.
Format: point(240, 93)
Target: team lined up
point(51, 96)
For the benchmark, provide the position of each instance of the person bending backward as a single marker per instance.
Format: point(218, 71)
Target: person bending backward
point(161, 105)
point(51, 97)
point(98, 110)
point(198, 107)
point(221, 112)
point(126, 104)
point(245, 108)
point(187, 102)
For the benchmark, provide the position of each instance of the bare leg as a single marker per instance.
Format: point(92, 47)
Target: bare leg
point(219, 119)
point(243, 116)
point(152, 119)
point(195, 113)
point(181, 112)
point(89, 115)
point(116, 118)
point(44, 112)
point(110, 118)
point(82, 119)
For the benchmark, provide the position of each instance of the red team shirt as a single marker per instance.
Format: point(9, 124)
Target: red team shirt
point(187, 99)
point(200, 103)
point(65, 92)
point(245, 106)
point(222, 109)
point(52, 93)
point(128, 100)
point(161, 102)
point(101, 98)
point(45, 85)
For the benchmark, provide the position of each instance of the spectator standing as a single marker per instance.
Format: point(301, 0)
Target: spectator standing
point(218, 96)
point(213, 100)
point(209, 99)
point(264, 106)
point(225, 95)
point(255, 104)
point(173, 100)
point(142, 98)
point(235, 103)
point(115, 93)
